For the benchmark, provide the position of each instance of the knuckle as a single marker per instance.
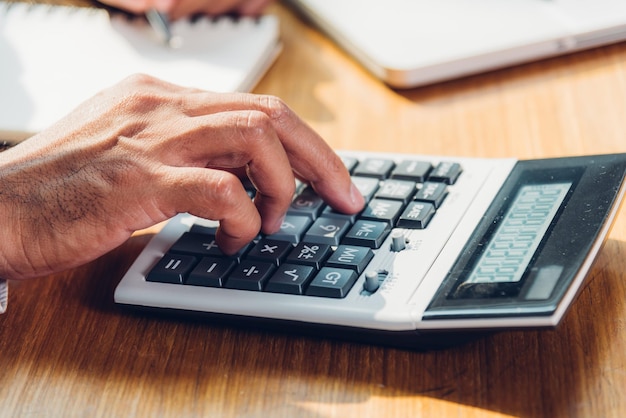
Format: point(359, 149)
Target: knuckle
point(275, 107)
point(254, 126)
point(138, 82)
point(139, 79)
point(226, 189)
point(139, 102)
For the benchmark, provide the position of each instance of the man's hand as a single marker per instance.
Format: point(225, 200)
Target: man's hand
point(177, 9)
point(143, 151)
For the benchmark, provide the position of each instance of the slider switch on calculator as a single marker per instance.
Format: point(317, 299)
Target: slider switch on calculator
point(371, 281)
point(398, 242)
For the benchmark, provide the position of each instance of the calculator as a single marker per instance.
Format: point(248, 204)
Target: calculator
point(445, 249)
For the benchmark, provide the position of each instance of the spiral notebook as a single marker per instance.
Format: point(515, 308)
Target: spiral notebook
point(55, 57)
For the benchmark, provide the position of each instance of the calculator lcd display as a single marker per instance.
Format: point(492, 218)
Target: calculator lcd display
point(530, 250)
point(519, 233)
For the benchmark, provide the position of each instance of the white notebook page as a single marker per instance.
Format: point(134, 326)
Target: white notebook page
point(54, 57)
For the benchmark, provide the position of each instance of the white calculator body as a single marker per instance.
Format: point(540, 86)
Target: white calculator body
point(446, 248)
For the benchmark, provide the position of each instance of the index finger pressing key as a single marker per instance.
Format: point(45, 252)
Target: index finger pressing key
point(311, 158)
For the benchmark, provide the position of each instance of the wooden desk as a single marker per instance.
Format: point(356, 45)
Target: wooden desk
point(67, 350)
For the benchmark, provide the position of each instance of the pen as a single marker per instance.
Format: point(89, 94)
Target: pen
point(161, 25)
point(6, 144)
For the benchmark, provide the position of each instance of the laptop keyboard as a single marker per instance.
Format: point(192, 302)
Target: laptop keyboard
point(318, 251)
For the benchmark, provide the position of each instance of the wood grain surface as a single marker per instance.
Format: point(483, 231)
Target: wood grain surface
point(66, 350)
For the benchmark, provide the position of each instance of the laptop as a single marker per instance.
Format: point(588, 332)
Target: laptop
point(410, 43)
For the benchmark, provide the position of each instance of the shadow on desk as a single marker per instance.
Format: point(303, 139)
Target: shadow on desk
point(68, 326)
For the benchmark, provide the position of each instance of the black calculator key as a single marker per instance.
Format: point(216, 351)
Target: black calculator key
point(383, 210)
point(211, 272)
point(172, 268)
point(197, 243)
point(350, 163)
point(290, 278)
point(416, 171)
point(250, 275)
point(292, 229)
point(201, 244)
point(270, 251)
point(203, 229)
point(432, 192)
point(327, 231)
point(351, 257)
point(446, 172)
point(307, 203)
point(417, 215)
point(309, 254)
point(366, 185)
point(402, 190)
point(367, 234)
point(332, 283)
point(374, 167)
point(329, 212)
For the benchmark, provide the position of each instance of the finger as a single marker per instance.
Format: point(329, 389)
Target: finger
point(231, 140)
point(310, 156)
point(253, 7)
point(186, 8)
point(268, 167)
point(133, 6)
point(212, 194)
